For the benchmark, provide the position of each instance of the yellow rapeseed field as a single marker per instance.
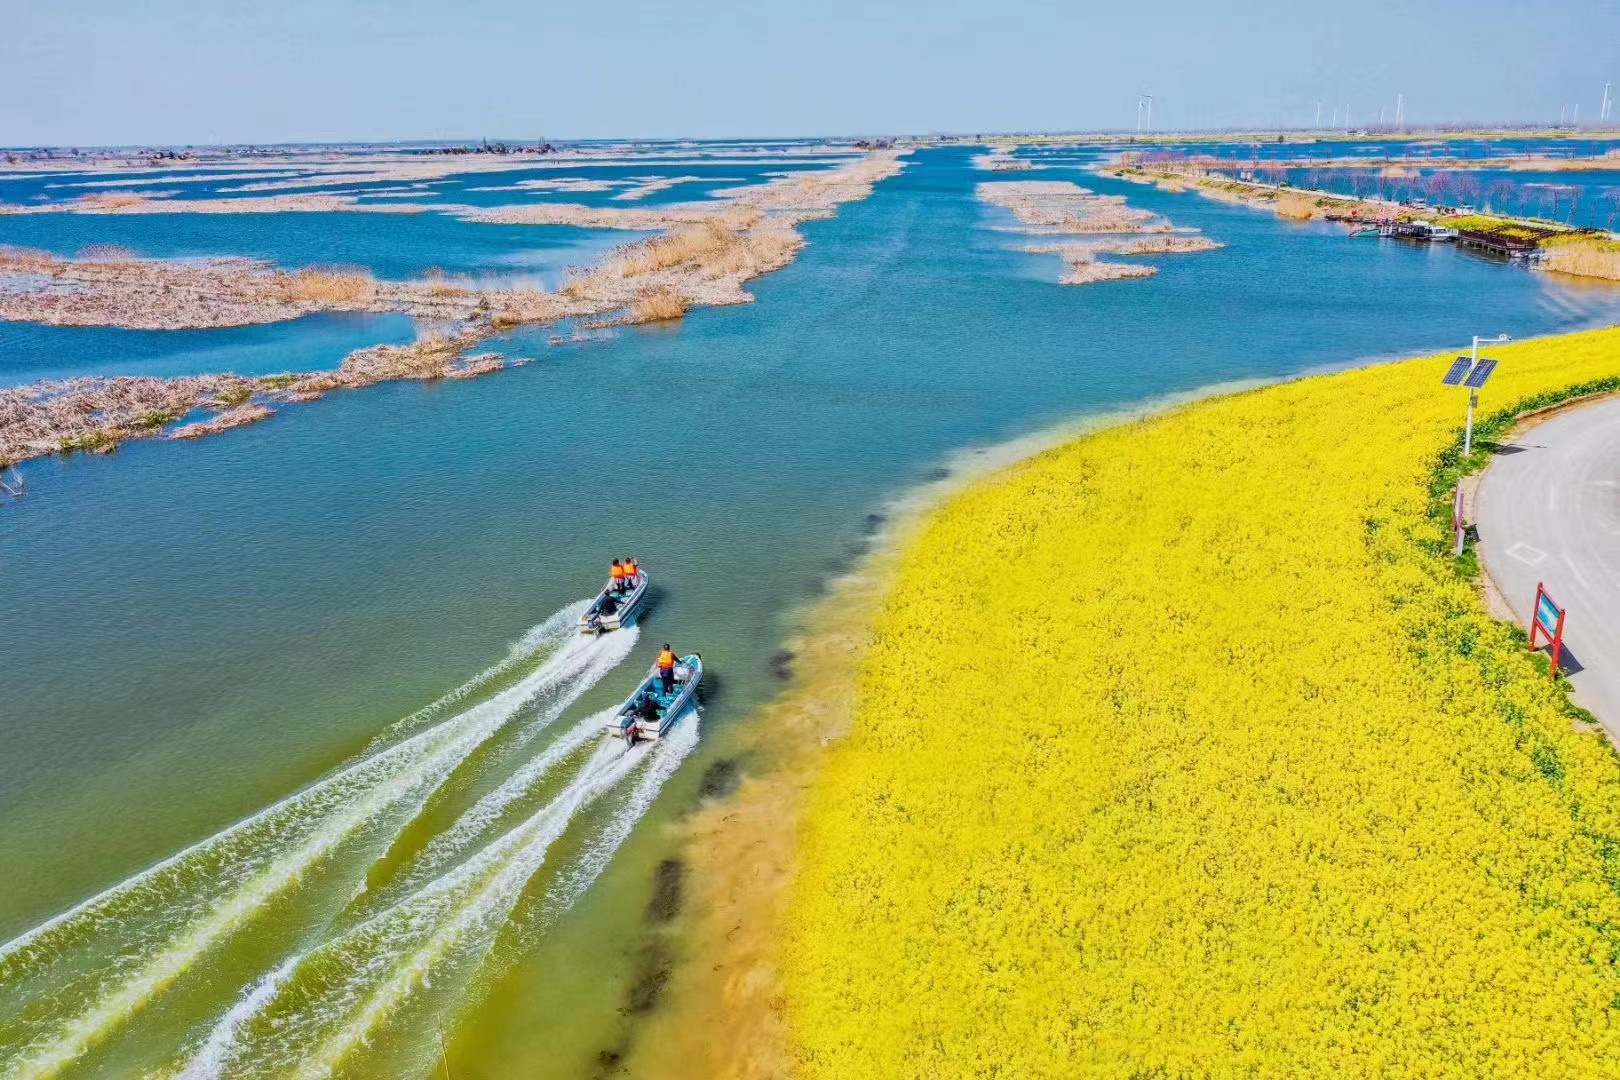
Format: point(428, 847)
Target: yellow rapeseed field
point(1184, 750)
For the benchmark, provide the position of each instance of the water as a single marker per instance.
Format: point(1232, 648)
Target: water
point(197, 631)
point(395, 247)
point(1586, 198)
point(30, 351)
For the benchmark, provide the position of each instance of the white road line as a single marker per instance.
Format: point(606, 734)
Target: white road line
point(1526, 554)
point(1569, 562)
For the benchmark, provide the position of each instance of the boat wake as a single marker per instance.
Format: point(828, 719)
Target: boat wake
point(306, 1017)
point(75, 980)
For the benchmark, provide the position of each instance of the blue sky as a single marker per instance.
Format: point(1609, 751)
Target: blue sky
point(181, 71)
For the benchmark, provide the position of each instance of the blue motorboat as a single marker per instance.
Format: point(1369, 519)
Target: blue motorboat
point(650, 711)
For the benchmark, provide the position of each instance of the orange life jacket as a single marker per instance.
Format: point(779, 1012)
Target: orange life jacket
point(630, 569)
point(618, 571)
point(666, 659)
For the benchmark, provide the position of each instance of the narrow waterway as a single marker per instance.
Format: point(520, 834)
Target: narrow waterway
point(197, 631)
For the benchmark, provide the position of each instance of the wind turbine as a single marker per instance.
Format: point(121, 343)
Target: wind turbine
point(1400, 112)
point(1603, 113)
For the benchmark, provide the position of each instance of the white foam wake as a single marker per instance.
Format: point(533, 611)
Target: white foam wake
point(573, 883)
point(113, 954)
point(604, 656)
point(341, 992)
point(559, 627)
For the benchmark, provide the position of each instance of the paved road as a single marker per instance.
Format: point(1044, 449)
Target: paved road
point(1548, 510)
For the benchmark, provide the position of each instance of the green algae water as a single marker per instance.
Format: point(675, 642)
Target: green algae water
point(303, 759)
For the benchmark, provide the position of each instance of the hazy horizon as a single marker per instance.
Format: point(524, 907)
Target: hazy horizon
point(184, 72)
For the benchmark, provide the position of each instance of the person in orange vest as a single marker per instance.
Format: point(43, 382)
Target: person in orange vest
point(630, 572)
point(616, 576)
point(666, 667)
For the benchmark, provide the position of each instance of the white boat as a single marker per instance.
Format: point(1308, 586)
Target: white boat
point(615, 607)
point(650, 711)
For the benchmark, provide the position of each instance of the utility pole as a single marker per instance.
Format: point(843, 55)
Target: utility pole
point(1473, 393)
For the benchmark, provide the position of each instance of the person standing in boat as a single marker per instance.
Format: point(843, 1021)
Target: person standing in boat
point(666, 667)
point(631, 570)
point(616, 576)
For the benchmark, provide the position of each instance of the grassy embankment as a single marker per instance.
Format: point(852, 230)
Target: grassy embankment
point(1186, 749)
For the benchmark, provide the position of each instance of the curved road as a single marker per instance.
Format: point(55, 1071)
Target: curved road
point(1548, 510)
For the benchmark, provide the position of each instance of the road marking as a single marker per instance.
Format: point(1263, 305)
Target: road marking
point(1577, 572)
point(1526, 554)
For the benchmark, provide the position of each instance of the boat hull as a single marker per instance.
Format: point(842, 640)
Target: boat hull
point(626, 606)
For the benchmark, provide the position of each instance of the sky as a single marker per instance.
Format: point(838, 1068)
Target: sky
point(112, 72)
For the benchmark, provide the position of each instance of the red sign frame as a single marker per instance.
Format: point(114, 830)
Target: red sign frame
point(1540, 615)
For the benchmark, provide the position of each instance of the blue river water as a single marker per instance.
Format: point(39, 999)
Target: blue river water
point(195, 630)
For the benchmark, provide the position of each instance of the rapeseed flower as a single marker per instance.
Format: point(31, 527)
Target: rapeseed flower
point(1185, 750)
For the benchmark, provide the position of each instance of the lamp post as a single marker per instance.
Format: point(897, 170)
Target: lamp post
point(1473, 392)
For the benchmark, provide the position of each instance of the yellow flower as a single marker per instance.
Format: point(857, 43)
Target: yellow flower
point(1183, 750)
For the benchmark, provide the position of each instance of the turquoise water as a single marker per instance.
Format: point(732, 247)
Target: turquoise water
point(394, 246)
point(711, 167)
point(30, 351)
point(196, 631)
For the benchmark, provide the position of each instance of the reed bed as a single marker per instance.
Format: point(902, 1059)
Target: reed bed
point(1585, 255)
point(656, 303)
point(704, 260)
point(335, 289)
point(1062, 207)
point(1295, 206)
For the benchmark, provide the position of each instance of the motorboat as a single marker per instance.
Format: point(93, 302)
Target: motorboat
point(615, 607)
point(650, 711)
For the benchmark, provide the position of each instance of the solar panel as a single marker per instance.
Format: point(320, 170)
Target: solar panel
point(1481, 372)
point(1459, 368)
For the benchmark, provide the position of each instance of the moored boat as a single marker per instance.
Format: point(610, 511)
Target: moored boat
point(650, 711)
point(615, 607)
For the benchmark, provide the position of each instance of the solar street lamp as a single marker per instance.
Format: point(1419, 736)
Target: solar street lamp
point(1471, 371)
